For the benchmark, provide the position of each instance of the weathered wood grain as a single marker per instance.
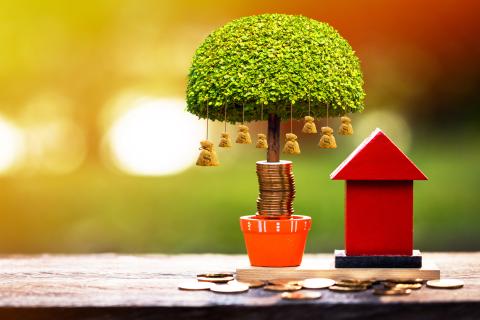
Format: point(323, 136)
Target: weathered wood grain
point(109, 286)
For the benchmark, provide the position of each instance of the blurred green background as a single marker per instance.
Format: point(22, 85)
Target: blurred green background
point(97, 153)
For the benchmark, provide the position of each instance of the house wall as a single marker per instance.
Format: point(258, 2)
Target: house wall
point(379, 218)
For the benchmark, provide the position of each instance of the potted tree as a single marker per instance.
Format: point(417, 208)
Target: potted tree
point(284, 67)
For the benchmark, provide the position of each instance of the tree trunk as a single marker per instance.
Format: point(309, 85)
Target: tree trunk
point(273, 152)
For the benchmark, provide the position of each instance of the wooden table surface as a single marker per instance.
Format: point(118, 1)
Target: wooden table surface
point(110, 286)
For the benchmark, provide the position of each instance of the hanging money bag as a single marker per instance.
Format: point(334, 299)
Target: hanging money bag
point(327, 140)
point(243, 136)
point(291, 146)
point(262, 141)
point(345, 128)
point(225, 141)
point(208, 156)
point(309, 126)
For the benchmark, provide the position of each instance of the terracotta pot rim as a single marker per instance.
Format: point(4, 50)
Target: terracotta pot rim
point(255, 217)
point(255, 224)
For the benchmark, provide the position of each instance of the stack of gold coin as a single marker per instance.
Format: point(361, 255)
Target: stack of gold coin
point(222, 277)
point(351, 285)
point(277, 189)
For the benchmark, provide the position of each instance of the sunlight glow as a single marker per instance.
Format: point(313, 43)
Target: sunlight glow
point(392, 123)
point(11, 145)
point(155, 137)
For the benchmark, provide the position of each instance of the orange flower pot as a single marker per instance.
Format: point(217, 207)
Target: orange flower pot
point(275, 243)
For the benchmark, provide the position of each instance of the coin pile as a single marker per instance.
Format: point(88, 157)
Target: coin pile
point(277, 189)
point(289, 288)
point(351, 285)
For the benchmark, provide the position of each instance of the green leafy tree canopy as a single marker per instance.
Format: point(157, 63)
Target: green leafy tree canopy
point(268, 62)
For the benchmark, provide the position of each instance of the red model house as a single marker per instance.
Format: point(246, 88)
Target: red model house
point(379, 198)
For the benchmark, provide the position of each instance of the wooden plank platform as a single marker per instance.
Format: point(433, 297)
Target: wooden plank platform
point(110, 286)
point(324, 268)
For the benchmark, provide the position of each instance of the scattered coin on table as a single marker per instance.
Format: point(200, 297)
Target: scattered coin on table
point(300, 295)
point(337, 288)
point(354, 283)
point(225, 282)
point(192, 285)
point(405, 280)
point(282, 287)
point(391, 292)
point(215, 279)
point(215, 275)
point(393, 285)
point(317, 283)
point(445, 284)
point(229, 288)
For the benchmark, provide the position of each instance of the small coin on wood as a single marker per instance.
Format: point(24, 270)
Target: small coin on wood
point(413, 286)
point(301, 295)
point(405, 280)
point(192, 285)
point(317, 283)
point(215, 275)
point(229, 288)
point(282, 287)
point(357, 288)
point(445, 284)
point(215, 279)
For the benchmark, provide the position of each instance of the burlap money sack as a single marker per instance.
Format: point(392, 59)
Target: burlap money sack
point(243, 136)
point(208, 156)
point(291, 146)
point(327, 140)
point(345, 128)
point(261, 141)
point(309, 126)
point(225, 141)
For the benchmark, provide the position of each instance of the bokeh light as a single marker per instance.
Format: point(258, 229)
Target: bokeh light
point(11, 145)
point(154, 137)
point(55, 141)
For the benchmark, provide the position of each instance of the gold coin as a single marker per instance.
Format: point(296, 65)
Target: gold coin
point(391, 292)
point(445, 284)
point(413, 286)
point(286, 281)
point(215, 280)
point(301, 295)
point(215, 275)
point(269, 216)
point(250, 284)
point(317, 283)
point(276, 198)
point(282, 287)
point(229, 288)
point(353, 283)
point(194, 285)
point(348, 289)
point(405, 280)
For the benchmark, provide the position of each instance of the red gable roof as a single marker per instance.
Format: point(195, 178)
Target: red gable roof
point(377, 158)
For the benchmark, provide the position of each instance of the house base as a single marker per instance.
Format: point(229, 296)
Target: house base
point(344, 261)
